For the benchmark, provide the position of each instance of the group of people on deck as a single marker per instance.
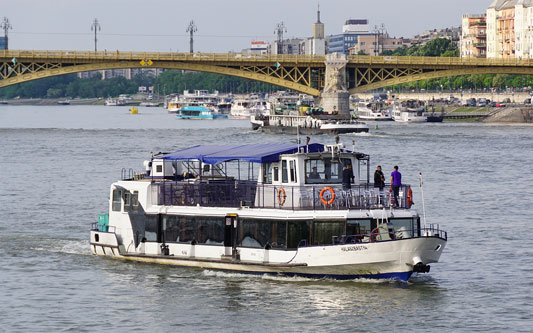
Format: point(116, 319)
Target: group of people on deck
point(379, 180)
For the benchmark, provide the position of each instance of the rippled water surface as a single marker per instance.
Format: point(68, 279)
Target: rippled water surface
point(58, 162)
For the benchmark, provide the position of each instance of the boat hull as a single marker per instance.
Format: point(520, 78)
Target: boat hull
point(376, 260)
point(308, 131)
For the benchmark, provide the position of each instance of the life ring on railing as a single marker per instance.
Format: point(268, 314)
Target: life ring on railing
point(324, 201)
point(282, 196)
point(410, 201)
point(373, 234)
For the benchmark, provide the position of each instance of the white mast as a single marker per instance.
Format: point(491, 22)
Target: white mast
point(422, 191)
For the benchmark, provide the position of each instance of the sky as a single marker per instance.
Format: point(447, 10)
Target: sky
point(222, 25)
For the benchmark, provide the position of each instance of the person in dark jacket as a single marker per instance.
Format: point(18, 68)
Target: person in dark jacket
point(347, 177)
point(379, 178)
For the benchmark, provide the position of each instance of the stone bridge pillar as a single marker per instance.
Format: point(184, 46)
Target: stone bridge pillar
point(335, 97)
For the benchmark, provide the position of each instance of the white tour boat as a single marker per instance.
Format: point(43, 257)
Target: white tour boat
point(114, 102)
point(410, 111)
point(373, 111)
point(241, 109)
point(265, 209)
point(306, 125)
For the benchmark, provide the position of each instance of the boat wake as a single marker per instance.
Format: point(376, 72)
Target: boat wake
point(285, 278)
point(67, 247)
point(358, 134)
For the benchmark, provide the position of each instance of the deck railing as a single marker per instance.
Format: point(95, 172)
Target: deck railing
point(393, 234)
point(250, 194)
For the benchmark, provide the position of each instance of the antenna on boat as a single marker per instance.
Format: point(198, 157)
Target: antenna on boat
point(298, 136)
point(422, 191)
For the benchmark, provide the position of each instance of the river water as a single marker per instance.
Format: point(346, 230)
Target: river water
point(59, 161)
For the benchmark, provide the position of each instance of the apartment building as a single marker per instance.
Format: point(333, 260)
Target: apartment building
point(474, 36)
point(376, 44)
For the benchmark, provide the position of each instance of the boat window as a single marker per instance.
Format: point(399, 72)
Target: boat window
point(178, 229)
point(152, 228)
point(403, 228)
point(293, 171)
point(210, 230)
point(298, 231)
point(135, 201)
point(267, 173)
point(127, 201)
point(276, 174)
point(284, 173)
point(358, 227)
point(117, 200)
point(314, 171)
point(185, 229)
point(324, 171)
point(259, 233)
point(324, 231)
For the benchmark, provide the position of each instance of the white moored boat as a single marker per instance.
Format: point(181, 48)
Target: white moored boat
point(410, 111)
point(373, 111)
point(265, 208)
point(241, 109)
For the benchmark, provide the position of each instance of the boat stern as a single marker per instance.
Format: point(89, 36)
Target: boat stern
point(104, 243)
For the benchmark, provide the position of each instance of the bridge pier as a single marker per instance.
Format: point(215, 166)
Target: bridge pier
point(335, 97)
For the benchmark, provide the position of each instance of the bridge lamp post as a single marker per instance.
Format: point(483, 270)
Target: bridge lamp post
point(96, 27)
point(6, 26)
point(191, 29)
point(280, 29)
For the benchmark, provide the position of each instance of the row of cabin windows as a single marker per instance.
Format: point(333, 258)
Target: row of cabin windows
point(317, 171)
point(130, 200)
point(256, 233)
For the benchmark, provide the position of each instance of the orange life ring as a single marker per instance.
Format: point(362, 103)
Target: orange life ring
point(324, 201)
point(410, 201)
point(281, 196)
point(373, 234)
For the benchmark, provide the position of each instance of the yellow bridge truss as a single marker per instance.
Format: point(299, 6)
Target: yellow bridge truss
point(301, 73)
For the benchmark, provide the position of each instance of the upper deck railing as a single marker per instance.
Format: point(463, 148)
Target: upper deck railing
point(238, 194)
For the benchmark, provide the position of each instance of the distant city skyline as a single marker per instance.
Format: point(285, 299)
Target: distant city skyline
point(160, 25)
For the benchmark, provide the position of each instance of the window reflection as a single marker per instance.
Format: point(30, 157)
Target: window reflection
point(324, 171)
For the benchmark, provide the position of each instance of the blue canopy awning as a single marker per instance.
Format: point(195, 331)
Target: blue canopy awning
point(257, 153)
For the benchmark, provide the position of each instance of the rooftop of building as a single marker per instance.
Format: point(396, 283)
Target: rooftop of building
point(507, 4)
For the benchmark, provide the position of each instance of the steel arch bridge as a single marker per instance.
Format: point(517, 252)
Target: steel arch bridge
point(301, 73)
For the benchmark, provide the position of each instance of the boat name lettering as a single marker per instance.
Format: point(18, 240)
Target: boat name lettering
point(354, 248)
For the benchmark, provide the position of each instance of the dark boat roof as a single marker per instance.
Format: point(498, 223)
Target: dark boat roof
point(257, 153)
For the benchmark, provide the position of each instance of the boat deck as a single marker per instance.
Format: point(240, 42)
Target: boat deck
point(250, 194)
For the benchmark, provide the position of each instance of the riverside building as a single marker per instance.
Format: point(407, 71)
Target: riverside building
point(509, 32)
point(474, 36)
point(351, 31)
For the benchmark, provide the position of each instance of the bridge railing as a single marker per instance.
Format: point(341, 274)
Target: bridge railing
point(21, 55)
point(159, 56)
point(409, 60)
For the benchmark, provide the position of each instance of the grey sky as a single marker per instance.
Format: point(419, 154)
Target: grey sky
point(159, 25)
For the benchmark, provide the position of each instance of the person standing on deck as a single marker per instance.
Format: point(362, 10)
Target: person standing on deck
point(396, 182)
point(347, 177)
point(379, 178)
